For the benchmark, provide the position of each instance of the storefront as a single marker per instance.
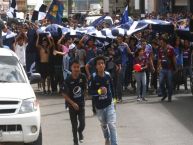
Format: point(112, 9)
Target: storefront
point(181, 5)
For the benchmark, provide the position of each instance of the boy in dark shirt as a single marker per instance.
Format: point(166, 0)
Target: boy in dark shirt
point(73, 90)
point(101, 89)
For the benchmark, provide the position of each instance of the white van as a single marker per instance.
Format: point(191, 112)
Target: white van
point(19, 108)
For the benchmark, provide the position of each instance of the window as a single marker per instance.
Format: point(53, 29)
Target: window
point(10, 70)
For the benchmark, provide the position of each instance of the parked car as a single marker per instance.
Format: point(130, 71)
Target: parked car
point(19, 108)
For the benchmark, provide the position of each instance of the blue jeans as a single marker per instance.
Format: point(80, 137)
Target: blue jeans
point(107, 118)
point(165, 80)
point(187, 72)
point(120, 82)
point(141, 84)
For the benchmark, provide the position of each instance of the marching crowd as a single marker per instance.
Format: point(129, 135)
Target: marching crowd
point(76, 64)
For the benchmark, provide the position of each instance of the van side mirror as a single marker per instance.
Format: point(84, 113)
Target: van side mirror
point(35, 78)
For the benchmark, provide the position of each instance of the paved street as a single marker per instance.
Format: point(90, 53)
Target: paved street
point(151, 123)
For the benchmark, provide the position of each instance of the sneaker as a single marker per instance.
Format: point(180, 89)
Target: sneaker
point(44, 92)
point(119, 101)
point(67, 109)
point(143, 99)
point(81, 138)
point(169, 100)
point(128, 87)
point(48, 92)
point(138, 99)
point(76, 142)
point(94, 113)
point(163, 98)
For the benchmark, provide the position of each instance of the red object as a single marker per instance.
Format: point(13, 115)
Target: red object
point(137, 67)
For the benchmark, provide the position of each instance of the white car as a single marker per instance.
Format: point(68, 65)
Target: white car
point(19, 108)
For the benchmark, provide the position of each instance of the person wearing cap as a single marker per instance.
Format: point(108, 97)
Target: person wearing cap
point(117, 22)
point(72, 52)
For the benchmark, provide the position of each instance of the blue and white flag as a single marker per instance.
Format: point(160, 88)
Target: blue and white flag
point(12, 12)
point(39, 12)
point(136, 26)
point(55, 12)
point(155, 22)
point(125, 16)
point(98, 21)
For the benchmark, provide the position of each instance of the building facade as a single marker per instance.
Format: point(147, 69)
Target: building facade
point(22, 5)
point(164, 6)
point(4, 6)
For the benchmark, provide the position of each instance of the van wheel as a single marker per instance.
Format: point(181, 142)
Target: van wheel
point(38, 141)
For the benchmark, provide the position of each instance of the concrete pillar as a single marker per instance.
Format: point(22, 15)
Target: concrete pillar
point(106, 6)
point(137, 4)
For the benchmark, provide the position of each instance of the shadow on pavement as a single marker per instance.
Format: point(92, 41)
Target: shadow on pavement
point(182, 109)
point(51, 114)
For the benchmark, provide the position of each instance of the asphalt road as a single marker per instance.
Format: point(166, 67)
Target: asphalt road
point(149, 123)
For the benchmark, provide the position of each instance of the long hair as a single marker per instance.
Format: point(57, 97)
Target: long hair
point(137, 52)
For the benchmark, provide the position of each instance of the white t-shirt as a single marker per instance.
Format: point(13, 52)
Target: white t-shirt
point(21, 53)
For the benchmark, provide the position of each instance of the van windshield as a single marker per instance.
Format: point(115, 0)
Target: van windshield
point(10, 70)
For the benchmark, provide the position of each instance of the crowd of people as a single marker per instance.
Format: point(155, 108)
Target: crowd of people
point(71, 65)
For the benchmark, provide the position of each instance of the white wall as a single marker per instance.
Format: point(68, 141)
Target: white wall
point(149, 6)
point(137, 5)
point(106, 6)
point(31, 2)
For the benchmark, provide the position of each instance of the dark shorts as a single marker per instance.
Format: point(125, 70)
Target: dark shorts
point(44, 70)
